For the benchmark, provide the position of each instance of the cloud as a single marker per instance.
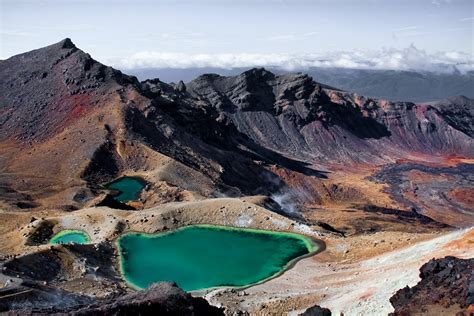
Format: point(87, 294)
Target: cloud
point(42, 29)
point(14, 33)
point(440, 2)
point(291, 37)
point(175, 37)
point(412, 31)
point(73, 27)
point(410, 58)
point(407, 28)
point(467, 19)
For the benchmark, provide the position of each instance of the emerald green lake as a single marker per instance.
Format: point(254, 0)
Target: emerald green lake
point(128, 188)
point(70, 236)
point(204, 256)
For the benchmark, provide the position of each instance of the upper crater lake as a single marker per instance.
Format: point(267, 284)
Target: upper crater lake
point(126, 188)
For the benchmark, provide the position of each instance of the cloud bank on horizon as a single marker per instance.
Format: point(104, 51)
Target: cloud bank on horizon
point(417, 34)
point(410, 58)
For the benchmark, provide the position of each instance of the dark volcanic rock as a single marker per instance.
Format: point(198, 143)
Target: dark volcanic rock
point(181, 87)
point(316, 311)
point(434, 191)
point(41, 234)
point(446, 286)
point(111, 202)
point(297, 116)
point(59, 79)
point(393, 85)
point(458, 112)
point(43, 265)
point(158, 299)
point(53, 265)
point(33, 299)
point(406, 217)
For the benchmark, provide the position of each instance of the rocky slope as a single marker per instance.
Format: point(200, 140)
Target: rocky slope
point(293, 114)
point(331, 130)
point(349, 169)
point(69, 124)
point(160, 298)
point(446, 287)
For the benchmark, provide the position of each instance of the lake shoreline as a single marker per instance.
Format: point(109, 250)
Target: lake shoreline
point(313, 246)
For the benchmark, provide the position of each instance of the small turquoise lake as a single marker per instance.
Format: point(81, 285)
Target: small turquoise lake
point(127, 188)
point(70, 236)
point(203, 256)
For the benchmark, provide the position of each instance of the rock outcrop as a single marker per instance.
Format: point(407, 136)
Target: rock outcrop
point(446, 288)
point(293, 114)
point(316, 310)
point(159, 299)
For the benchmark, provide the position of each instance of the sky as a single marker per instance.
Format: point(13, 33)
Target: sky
point(394, 34)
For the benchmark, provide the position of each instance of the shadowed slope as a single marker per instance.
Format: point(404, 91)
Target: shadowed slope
point(70, 123)
point(293, 114)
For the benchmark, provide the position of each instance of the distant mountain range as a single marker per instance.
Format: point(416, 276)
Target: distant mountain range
point(392, 85)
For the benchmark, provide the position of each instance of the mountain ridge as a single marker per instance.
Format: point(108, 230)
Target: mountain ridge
point(393, 85)
point(70, 123)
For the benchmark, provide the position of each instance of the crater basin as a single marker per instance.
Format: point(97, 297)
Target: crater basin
point(70, 236)
point(127, 188)
point(202, 256)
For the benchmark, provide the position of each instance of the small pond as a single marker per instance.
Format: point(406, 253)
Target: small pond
point(127, 188)
point(203, 256)
point(70, 236)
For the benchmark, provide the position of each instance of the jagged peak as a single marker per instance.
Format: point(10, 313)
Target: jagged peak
point(296, 78)
point(48, 51)
point(208, 77)
point(259, 73)
point(62, 44)
point(67, 43)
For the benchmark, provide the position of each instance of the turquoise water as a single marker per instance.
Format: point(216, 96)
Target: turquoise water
point(70, 236)
point(203, 256)
point(128, 188)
